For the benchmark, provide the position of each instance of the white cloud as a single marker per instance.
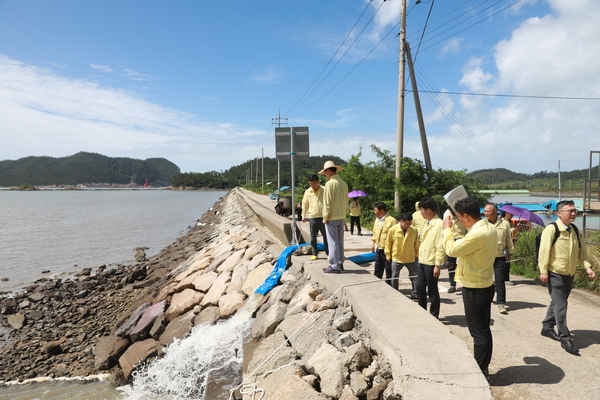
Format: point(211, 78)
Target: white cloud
point(42, 113)
point(137, 76)
point(550, 55)
point(102, 68)
point(270, 74)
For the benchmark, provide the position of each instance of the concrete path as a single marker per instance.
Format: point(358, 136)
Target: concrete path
point(525, 365)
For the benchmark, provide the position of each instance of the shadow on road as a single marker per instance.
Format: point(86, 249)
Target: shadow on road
point(537, 370)
point(458, 320)
point(585, 338)
point(522, 305)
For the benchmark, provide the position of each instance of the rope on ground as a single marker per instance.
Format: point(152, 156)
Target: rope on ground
point(253, 385)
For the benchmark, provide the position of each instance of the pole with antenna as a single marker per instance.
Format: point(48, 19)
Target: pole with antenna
point(401, 92)
point(277, 121)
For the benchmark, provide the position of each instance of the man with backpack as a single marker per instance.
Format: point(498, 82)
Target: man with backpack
point(560, 252)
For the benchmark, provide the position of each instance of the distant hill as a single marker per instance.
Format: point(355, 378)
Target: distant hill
point(86, 168)
point(501, 178)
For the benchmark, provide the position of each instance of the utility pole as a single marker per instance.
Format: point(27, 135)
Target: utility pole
point(401, 91)
point(277, 120)
point(559, 186)
point(413, 80)
point(262, 170)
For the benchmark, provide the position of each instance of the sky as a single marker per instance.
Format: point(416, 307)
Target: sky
point(503, 83)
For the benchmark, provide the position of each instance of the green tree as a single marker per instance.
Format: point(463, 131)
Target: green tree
point(378, 179)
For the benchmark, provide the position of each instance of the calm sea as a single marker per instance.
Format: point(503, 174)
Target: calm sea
point(61, 231)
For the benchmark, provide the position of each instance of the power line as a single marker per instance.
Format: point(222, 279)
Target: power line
point(514, 95)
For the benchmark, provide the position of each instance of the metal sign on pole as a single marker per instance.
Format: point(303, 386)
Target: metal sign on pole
point(292, 149)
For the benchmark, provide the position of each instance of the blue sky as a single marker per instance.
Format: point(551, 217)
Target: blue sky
point(199, 82)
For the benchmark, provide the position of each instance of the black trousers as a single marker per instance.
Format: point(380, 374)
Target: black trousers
point(478, 303)
point(316, 225)
point(428, 285)
point(354, 220)
point(381, 264)
point(559, 287)
point(499, 278)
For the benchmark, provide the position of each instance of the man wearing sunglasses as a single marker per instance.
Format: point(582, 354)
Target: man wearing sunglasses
point(560, 254)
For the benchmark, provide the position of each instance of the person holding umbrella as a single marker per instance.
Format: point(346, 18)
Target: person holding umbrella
point(354, 213)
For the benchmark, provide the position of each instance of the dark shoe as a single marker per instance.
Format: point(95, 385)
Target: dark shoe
point(359, 234)
point(331, 270)
point(452, 289)
point(550, 333)
point(569, 347)
point(414, 297)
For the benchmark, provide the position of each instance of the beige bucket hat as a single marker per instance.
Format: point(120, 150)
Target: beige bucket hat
point(329, 164)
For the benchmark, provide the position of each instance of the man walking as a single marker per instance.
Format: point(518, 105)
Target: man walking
point(312, 210)
point(504, 250)
point(475, 272)
point(401, 249)
point(383, 223)
point(431, 256)
point(561, 251)
point(335, 209)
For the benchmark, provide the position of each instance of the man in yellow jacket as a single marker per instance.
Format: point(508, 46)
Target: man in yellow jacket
point(558, 259)
point(312, 210)
point(401, 249)
point(431, 256)
point(335, 209)
point(476, 252)
point(381, 226)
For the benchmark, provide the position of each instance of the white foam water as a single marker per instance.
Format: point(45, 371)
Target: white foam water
point(204, 365)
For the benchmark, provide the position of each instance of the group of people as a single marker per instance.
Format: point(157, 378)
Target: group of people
point(475, 250)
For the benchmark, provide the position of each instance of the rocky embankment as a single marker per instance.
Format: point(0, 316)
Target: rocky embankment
point(309, 346)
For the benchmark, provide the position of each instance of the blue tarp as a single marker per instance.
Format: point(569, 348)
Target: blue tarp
point(280, 266)
point(363, 258)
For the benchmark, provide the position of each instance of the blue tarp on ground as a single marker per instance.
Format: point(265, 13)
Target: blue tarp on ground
point(280, 266)
point(363, 258)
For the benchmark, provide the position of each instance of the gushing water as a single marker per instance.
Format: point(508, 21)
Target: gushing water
point(205, 365)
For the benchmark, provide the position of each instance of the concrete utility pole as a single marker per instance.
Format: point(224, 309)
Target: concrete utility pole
point(413, 80)
point(262, 170)
point(401, 91)
point(277, 120)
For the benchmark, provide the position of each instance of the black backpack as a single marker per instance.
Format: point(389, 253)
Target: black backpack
point(538, 238)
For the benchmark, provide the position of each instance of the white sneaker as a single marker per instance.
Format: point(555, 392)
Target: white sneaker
point(502, 309)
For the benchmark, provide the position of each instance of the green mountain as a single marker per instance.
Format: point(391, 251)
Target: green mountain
point(86, 168)
point(501, 178)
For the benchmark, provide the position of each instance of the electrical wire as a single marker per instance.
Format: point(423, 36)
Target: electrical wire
point(339, 59)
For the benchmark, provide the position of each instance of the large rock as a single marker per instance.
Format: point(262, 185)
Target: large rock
point(204, 281)
point(125, 328)
point(284, 355)
point(209, 315)
point(182, 303)
point(287, 383)
point(256, 277)
point(141, 330)
point(232, 261)
point(223, 247)
point(301, 301)
point(230, 303)
point(253, 250)
point(102, 352)
point(358, 383)
point(188, 281)
point(266, 323)
point(240, 273)
point(218, 288)
point(178, 328)
point(16, 320)
point(319, 326)
point(138, 352)
point(357, 357)
point(259, 259)
point(326, 362)
point(217, 261)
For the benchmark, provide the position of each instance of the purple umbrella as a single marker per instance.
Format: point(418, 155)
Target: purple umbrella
point(357, 193)
point(523, 213)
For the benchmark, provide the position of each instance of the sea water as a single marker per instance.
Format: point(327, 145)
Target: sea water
point(67, 230)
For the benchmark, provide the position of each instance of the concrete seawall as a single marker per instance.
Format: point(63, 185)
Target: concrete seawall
point(426, 358)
